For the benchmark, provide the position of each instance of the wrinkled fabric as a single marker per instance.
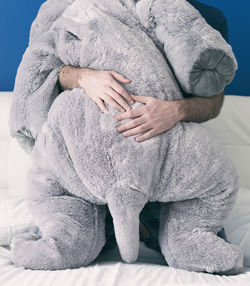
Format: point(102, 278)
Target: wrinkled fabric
point(80, 163)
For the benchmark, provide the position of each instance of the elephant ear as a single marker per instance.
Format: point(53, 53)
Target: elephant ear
point(125, 205)
point(36, 82)
point(47, 14)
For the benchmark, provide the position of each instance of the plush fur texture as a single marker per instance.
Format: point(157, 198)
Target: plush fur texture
point(79, 161)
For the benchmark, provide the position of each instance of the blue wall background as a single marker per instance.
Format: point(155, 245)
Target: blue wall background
point(237, 13)
point(16, 17)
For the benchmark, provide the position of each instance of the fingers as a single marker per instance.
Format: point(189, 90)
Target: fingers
point(137, 130)
point(112, 92)
point(112, 102)
point(141, 98)
point(131, 125)
point(145, 136)
point(101, 104)
point(120, 77)
point(118, 88)
point(122, 91)
point(130, 114)
point(118, 98)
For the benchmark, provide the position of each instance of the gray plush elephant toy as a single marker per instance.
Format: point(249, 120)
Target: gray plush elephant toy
point(79, 163)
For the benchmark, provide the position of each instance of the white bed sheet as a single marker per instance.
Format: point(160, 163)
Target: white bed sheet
point(108, 269)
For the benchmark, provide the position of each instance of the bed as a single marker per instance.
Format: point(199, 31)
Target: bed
point(231, 127)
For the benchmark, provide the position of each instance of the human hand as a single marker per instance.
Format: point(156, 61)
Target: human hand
point(102, 85)
point(155, 117)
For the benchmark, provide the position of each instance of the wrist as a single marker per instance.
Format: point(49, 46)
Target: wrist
point(68, 77)
point(82, 77)
point(180, 109)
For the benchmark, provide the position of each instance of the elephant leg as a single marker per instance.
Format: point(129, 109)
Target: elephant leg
point(72, 229)
point(188, 237)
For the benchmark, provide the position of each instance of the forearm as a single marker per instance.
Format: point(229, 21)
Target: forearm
point(200, 109)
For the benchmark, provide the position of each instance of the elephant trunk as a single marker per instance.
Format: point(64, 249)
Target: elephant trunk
point(125, 206)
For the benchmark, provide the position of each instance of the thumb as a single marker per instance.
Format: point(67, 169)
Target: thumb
point(120, 77)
